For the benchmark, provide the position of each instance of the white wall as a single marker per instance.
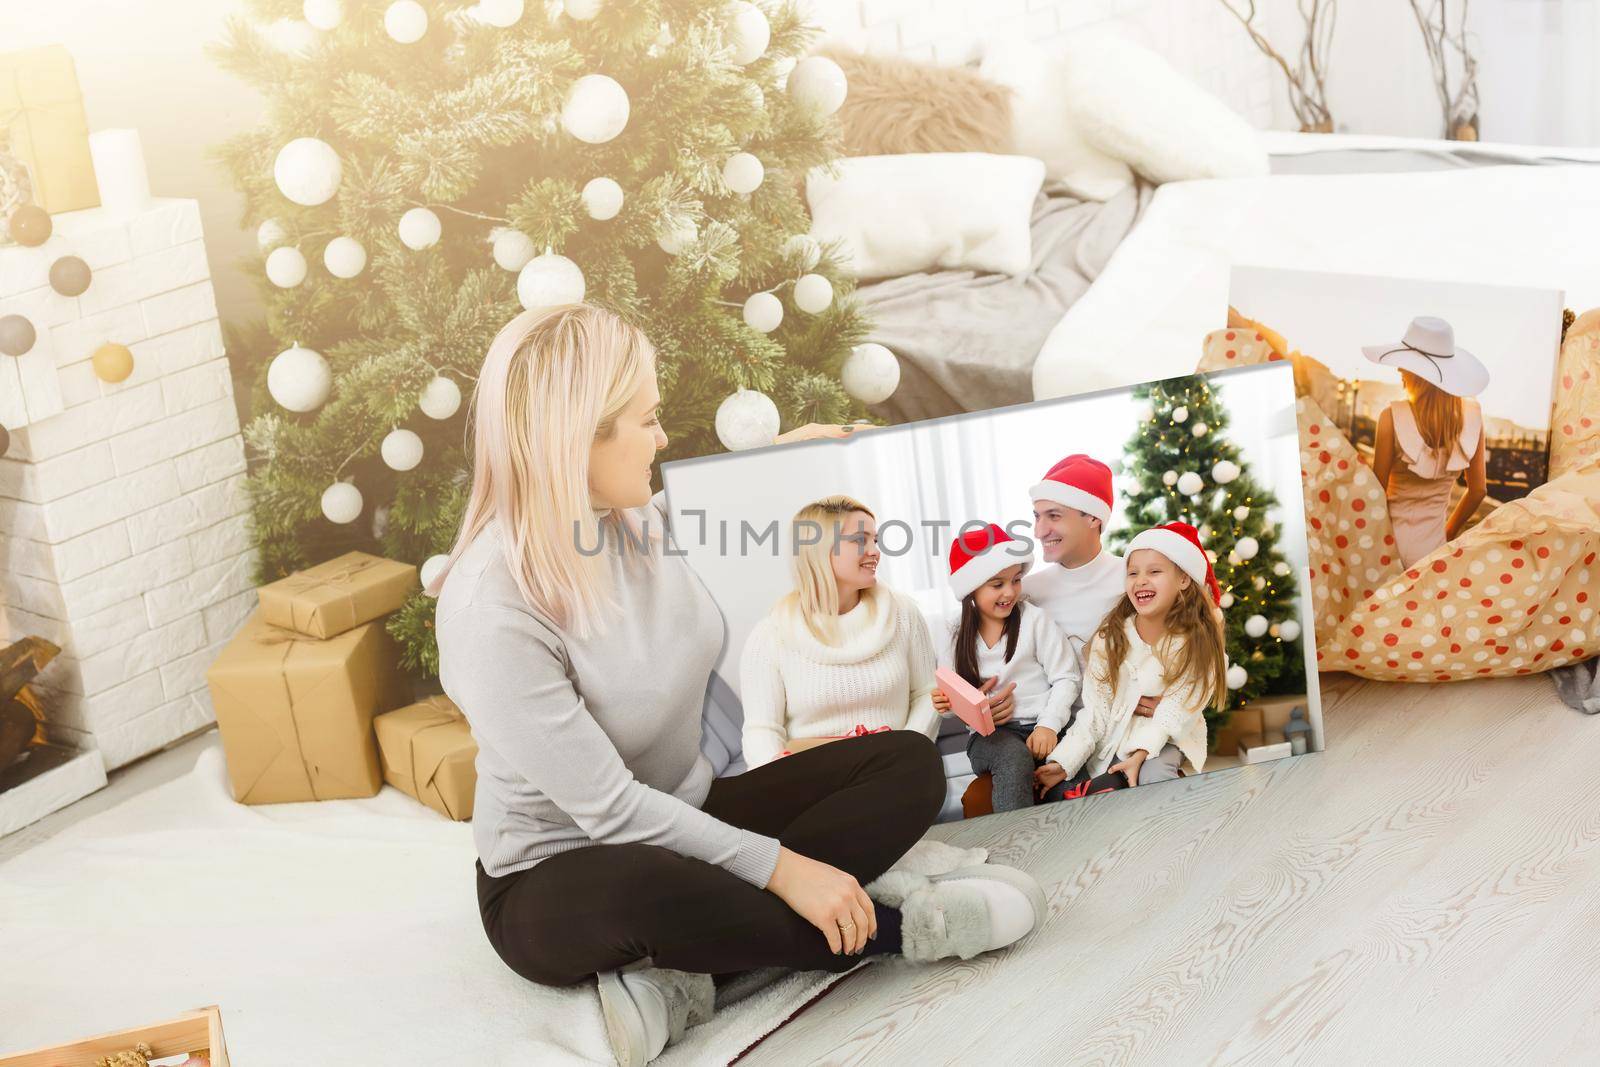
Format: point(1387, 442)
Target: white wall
point(1196, 36)
point(143, 65)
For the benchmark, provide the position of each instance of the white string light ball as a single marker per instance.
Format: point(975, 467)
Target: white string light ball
point(286, 267)
point(804, 248)
point(550, 279)
point(818, 84)
point(1223, 472)
point(512, 249)
point(747, 419)
point(746, 30)
point(596, 109)
point(1247, 547)
point(678, 237)
point(440, 398)
point(401, 450)
point(813, 294)
point(270, 234)
point(743, 173)
point(499, 13)
point(299, 379)
point(405, 21)
point(341, 502)
point(420, 228)
point(1190, 483)
point(1169, 479)
point(763, 312)
point(871, 373)
point(430, 569)
point(602, 198)
point(324, 15)
point(581, 10)
point(344, 257)
point(307, 171)
point(1180, 414)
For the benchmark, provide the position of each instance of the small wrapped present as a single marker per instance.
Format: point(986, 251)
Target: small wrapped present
point(296, 713)
point(428, 752)
point(42, 124)
point(341, 594)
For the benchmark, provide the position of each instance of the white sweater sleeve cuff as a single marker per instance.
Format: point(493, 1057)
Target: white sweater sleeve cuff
point(756, 859)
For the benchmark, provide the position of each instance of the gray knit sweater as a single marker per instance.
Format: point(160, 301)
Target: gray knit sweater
point(594, 741)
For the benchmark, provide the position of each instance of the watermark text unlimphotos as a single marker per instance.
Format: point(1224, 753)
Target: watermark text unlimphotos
point(892, 537)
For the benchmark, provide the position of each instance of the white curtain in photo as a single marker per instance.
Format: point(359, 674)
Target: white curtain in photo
point(1537, 75)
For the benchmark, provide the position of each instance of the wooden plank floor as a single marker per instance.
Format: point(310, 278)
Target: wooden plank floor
point(1425, 891)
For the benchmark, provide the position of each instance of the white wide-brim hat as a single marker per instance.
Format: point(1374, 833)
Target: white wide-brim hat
point(1429, 351)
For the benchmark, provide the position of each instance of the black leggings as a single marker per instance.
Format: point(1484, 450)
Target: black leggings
point(857, 804)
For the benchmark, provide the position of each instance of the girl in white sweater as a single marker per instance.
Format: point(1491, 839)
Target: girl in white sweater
point(841, 654)
point(999, 641)
point(1165, 636)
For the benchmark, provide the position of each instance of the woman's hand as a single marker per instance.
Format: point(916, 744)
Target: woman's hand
point(1147, 705)
point(1131, 765)
point(1048, 775)
point(1042, 742)
point(1001, 703)
point(941, 701)
point(825, 897)
point(814, 431)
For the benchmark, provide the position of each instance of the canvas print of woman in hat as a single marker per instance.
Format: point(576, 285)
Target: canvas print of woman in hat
point(1427, 440)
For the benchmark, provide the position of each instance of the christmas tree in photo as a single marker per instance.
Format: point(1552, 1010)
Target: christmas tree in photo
point(429, 169)
point(1181, 466)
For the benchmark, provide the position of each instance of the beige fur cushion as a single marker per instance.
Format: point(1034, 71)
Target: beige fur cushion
point(897, 106)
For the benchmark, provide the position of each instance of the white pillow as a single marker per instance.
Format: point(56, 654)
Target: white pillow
point(902, 214)
point(1130, 103)
point(1042, 125)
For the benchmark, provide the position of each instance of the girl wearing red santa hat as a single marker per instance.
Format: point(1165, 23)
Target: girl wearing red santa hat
point(1000, 642)
point(1164, 636)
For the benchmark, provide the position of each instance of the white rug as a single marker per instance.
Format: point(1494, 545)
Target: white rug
point(339, 932)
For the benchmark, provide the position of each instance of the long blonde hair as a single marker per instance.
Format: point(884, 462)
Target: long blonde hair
point(553, 382)
point(1201, 658)
point(1439, 414)
point(815, 597)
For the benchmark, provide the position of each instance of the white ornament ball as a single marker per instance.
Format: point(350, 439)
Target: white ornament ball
point(1259, 582)
point(323, 14)
point(344, 257)
point(1241, 512)
point(581, 10)
point(1247, 547)
point(430, 569)
point(550, 279)
point(747, 31)
point(341, 502)
point(1180, 414)
point(1256, 625)
point(401, 450)
point(1199, 429)
point(307, 171)
point(747, 419)
point(677, 238)
point(871, 373)
point(1190, 483)
point(512, 249)
point(596, 109)
point(818, 84)
point(286, 267)
point(1227, 600)
point(602, 198)
point(405, 21)
point(1288, 629)
point(440, 398)
point(763, 312)
point(1212, 556)
point(420, 228)
point(501, 13)
point(1225, 471)
point(1170, 478)
point(743, 172)
point(804, 248)
point(1204, 531)
point(299, 379)
point(813, 293)
point(1143, 411)
point(1233, 558)
point(1237, 676)
point(270, 234)
point(1280, 568)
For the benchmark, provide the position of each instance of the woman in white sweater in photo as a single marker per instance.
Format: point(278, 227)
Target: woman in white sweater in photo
point(841, 653)
point(607, 851)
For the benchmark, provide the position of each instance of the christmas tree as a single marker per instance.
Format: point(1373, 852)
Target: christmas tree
point(1180, 466)
point(428, 169)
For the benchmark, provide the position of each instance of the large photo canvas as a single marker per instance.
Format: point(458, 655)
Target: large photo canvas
point(1070, 596)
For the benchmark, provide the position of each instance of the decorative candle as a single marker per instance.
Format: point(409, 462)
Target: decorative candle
point(120, 172)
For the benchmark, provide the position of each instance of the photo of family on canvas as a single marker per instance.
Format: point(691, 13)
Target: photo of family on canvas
point(1444, 389)
point(1052, 649)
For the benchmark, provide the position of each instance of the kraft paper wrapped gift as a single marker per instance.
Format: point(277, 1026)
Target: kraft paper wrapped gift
point(345, 592)
point(42, 121)
point(428, 752)
point(296, 713)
